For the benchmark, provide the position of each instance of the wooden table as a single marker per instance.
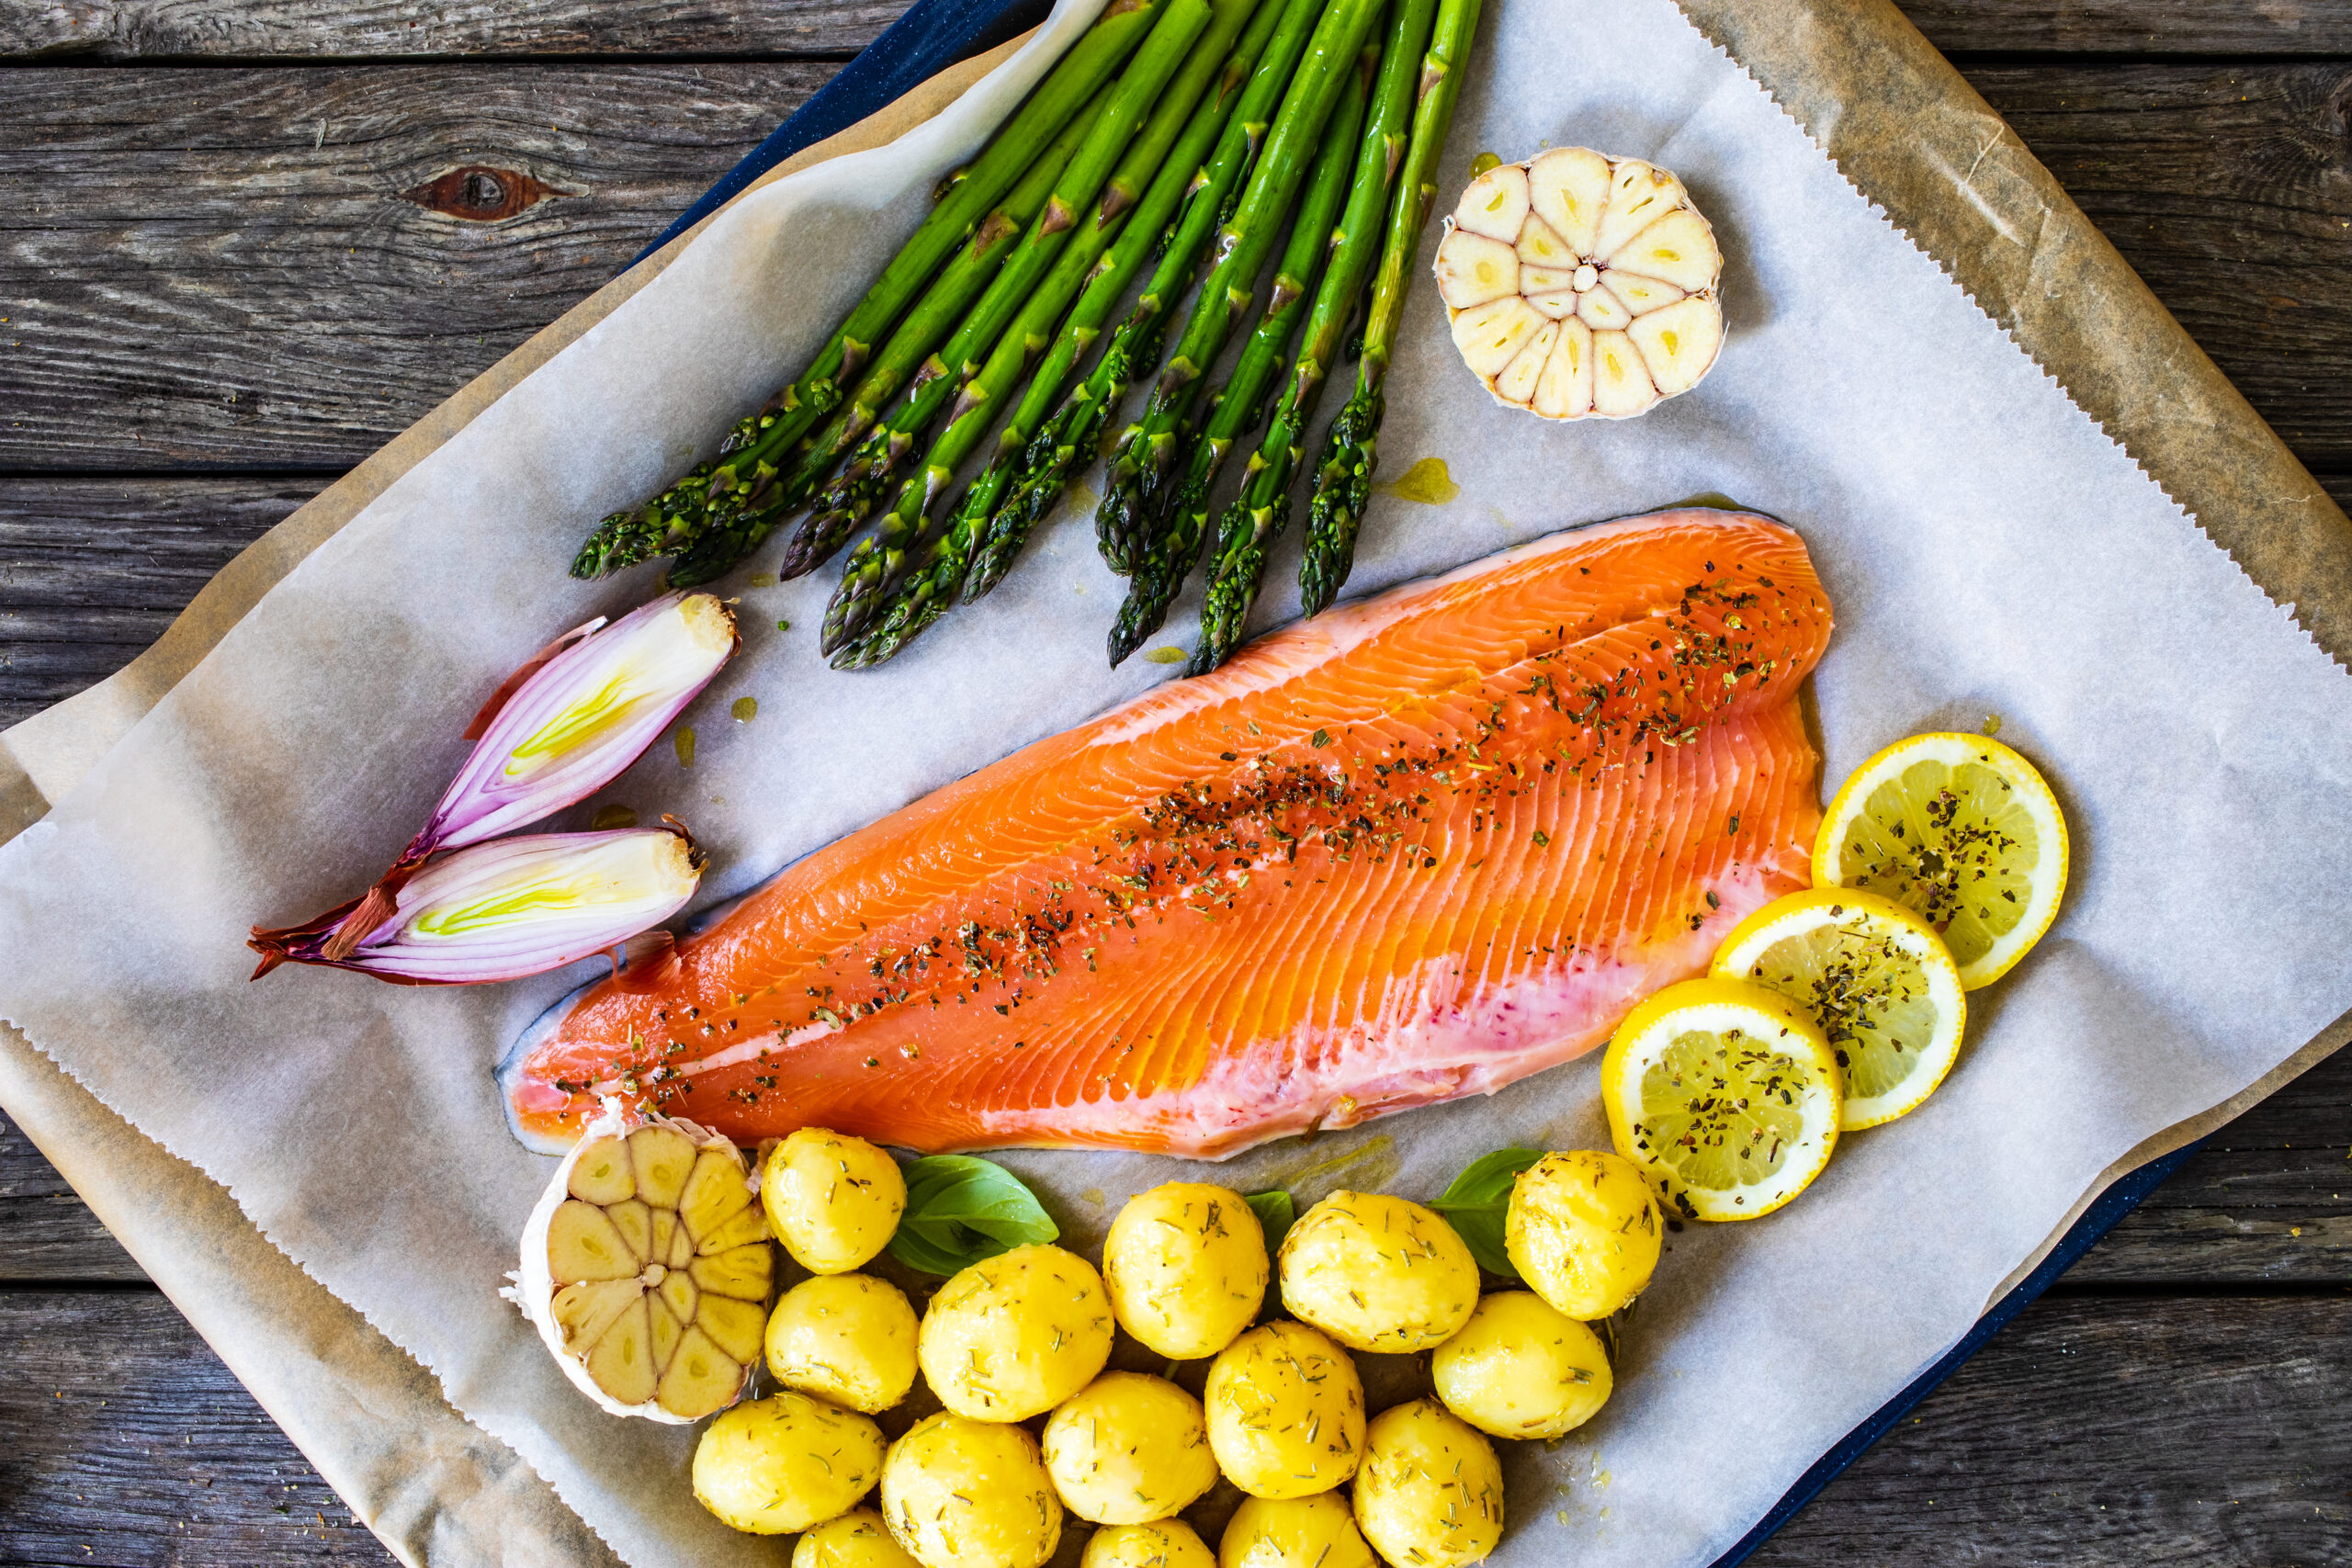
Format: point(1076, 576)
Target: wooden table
point(242, 245)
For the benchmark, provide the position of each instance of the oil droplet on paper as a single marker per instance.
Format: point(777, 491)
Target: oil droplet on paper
point(764, 580)
point(609, 818)
point(1166, 656)
point(1426, 482)
point(1483, 162)
point(682, 742)
point(745, 710)
point(1992, 723)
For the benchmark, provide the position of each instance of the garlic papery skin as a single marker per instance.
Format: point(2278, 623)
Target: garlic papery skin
point(1579, 284)
point(579, 720)
point(501, 910)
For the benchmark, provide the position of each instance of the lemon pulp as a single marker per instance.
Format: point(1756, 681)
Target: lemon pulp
point(1954, 842)
point(1723, 1109)
point(1875, 1004)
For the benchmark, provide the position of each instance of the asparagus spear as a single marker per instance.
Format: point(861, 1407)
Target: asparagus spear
point(627, 537)
point(881, 559)
point(1176, 544)
point(1067, 441)
point(1254, 521)
point(840, 510)
point(1145, 450)
point(1343, 480)
point(981, 537)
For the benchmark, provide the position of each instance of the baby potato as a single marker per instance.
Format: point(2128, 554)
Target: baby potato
point(857, 1540)
point(1523, 1368)
point(1286, 1412)
point(1520, 1368)
point(1015, 1335)
point(1378, 1273)
point(1294, 1532)
point(1128, 1448)
point(1431, 1491)
point(1582, 1229)
point(1166, 1543)
point(832, 1200)
point(1185, 1264)
point(846, 1337)
point(964, 1493)
point(777, 1465)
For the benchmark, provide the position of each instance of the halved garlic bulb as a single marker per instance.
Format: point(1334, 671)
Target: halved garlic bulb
point(646, 1267)
point(1579, 284)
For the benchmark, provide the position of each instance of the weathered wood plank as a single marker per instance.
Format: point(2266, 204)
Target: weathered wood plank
point(2091, 1432)
point(162, 30)
point(2230, 190)
point(46, 1233)
point(92, 570)
point(128, 1442)
point(2134, 26)
point(2112, 1434)
point(2269, 1199)
point(220, 267)
point(217, 268)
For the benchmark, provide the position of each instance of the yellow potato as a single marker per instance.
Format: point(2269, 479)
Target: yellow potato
point(1378, 1273)
point(1286, 1412)
point(857, 1540)
point(1583, 1231)
point(1128, 1448)
point(1520, 1368)
point(777, 1465)
point(1185, 1264)
point(964, 1493)
point(1294, 1532)
point(1015, 1335)
point(846, 1337)
point(1169, 1543)
point(832, 1200)
point(1431, 1491)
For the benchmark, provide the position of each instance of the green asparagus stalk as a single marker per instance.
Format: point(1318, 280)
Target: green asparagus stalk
point(980, 540)
point(1175, 543)
point(1067, 441)
point(880, 561)
point(1143, 456)
point(1253, 522)
point(1351, 451)
point(626, 538)
point(838, 511)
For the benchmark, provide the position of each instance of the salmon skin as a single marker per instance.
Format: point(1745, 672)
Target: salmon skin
point(1418, 847)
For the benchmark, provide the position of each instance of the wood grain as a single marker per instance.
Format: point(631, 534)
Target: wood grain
point(2229, 189)
point(2134, 26)
point(218, 268)
point(128, 1443)
point(46, 1233)
point(161, 31)
point(2112, 1434)
point(92, 570)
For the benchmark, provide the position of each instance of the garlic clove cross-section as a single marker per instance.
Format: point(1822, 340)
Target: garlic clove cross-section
point(1581, 285)
point(646, 1267)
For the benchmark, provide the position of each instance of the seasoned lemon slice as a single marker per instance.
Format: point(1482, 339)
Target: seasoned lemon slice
point(1874, 976)
point(1725, 1094)
point(1961, 831)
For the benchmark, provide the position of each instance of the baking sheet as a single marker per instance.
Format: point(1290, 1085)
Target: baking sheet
point(1988, 550)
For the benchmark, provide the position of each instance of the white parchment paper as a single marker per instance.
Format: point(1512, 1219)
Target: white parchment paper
point(1987, 549)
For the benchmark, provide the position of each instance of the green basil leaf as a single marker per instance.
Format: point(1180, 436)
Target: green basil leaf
point(1475, 1203)
point(961, 1209)
point(1276, 1211)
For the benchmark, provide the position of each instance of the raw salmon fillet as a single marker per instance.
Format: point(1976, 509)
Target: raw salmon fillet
point(1418, 847)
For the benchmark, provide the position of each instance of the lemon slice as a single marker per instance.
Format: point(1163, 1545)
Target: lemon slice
point(1725, 1094)
point(1874, 976)
point(1960, 830)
